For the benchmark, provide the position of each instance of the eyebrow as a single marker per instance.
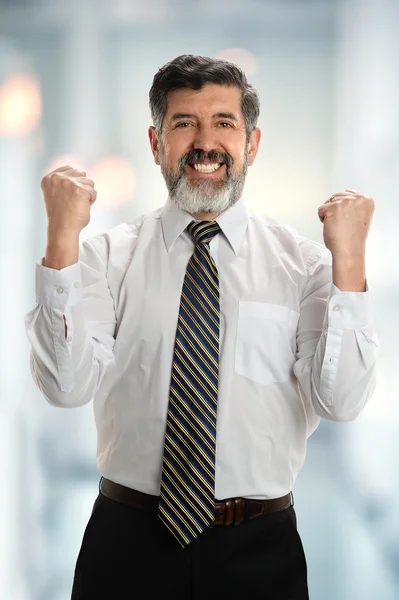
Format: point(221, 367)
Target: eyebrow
point(218, 115)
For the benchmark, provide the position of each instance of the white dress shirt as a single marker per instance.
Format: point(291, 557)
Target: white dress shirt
point(293, 347)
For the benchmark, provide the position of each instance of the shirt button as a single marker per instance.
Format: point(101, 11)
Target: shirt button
point(337, 308)
point(60, 290)
point(76, 284)
point(69, 339)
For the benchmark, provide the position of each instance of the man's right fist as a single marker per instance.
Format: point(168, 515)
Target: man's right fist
point(68, 195)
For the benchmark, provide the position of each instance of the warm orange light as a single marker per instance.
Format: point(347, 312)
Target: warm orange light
point(67, 159)
point(244, 59)
point(114, 177)
point(115, 181)
point(20, 105)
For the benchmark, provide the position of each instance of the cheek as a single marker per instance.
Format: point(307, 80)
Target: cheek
point(171, 156)
point(237, 152)
point(175, 146)
point(165, 157)
point(238, 162)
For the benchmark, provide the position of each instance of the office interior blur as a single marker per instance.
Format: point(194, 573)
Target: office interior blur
point(74, 82)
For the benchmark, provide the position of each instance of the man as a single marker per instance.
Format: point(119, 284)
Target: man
point(212, 341)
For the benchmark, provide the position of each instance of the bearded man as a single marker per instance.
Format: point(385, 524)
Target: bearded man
point(212, 340)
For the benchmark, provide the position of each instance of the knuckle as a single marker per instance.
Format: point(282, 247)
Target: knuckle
point(55, 178)
point(80, 189)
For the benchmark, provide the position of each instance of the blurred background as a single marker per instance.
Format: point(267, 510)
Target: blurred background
point(74, 82)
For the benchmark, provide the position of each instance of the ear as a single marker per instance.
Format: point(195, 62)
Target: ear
point(253, 145)
point(154, 141)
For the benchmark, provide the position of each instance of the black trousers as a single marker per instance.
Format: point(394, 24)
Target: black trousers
point(129, 553)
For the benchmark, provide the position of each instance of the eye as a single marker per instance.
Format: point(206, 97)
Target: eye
point(225, 125)
point(183, 125)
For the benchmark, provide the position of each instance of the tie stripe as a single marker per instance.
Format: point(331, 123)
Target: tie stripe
point(187, 496)
point(197, 372)
point(187, 305)
point(199, 348)
point(193, 401)
point(200, 484)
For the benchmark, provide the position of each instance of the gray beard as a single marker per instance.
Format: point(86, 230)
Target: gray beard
point(204, 196)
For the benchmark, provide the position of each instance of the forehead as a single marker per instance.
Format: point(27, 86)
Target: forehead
point(209, 100)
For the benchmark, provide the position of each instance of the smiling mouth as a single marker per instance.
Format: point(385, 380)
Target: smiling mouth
point(206, 168)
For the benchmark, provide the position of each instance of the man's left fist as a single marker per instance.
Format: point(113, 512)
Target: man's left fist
point(347, 218)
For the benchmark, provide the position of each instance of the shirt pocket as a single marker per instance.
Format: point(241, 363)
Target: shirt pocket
point(266, 341)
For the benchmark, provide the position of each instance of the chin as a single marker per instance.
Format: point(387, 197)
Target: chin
point(192, 203)
point(210, 186)
point(201, 196)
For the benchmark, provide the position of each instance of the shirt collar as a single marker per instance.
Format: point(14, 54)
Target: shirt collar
point(233, 223)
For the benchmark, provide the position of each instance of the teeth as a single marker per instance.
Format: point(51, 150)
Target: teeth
point(207, 168)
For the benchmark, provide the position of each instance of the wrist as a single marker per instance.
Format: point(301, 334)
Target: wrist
point(350, 255)
point(62, 249)
point(349, 274)
point(61, 235)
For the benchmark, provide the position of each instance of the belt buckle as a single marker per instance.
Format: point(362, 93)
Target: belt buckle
point(233, 511)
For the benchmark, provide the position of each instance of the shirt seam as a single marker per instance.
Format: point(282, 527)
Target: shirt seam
point(55, 349)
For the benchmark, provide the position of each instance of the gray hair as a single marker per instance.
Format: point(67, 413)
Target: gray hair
point(193, 72)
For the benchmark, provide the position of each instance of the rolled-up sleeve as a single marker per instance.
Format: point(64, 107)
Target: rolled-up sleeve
point(68, 369)
point(337, 346)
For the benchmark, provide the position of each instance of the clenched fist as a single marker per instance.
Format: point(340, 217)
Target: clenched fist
point(346, 217)
point(68, 195)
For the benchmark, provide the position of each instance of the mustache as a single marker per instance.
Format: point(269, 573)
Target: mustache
point(200, 155)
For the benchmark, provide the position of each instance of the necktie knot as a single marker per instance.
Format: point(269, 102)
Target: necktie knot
point(203, 231)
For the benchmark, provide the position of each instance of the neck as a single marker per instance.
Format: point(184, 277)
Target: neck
point(202, 216)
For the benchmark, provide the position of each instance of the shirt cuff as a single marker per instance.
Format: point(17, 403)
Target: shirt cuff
point(348, 310)
point(61, 289)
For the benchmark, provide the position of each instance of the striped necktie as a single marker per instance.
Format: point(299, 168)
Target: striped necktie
point(187, 496)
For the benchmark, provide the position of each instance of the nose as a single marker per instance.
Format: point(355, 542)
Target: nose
point(205, 139)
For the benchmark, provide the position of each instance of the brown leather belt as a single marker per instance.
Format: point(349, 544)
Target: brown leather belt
point(232, 511)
